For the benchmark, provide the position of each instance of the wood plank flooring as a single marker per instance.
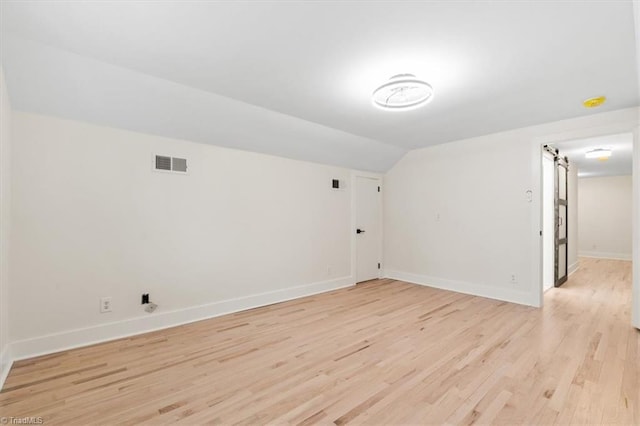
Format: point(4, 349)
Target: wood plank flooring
point(383, 352)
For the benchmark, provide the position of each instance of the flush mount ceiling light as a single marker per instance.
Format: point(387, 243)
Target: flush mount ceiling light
point(600, 153)
point(594, 102)
point(402, 92)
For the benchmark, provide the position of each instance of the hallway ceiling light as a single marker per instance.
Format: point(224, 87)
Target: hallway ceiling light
point(599, 153)
point(401, 92)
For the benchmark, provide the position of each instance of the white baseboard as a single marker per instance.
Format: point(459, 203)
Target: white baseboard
point(473, 289)
point(51, 343)
point(573, 267)
point(605, 255)
point(6, 361)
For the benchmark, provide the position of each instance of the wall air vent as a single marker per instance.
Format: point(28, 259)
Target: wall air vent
point(163, 163)
point(179, 165)
point(170, 164)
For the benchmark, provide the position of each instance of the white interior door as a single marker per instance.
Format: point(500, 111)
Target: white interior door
point(368, 228)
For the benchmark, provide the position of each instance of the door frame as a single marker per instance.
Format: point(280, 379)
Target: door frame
point(537, 144)
point(355, 174)
point(548, 223)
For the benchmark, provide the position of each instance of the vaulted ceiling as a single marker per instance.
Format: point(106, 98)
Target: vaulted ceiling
point(295, 78)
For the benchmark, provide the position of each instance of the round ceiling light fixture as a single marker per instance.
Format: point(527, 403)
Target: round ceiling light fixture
point(402, 92)
point(599, 153)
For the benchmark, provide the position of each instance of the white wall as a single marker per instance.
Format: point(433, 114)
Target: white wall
point(604, 205)
point(5, 225)
point(457, 215)
point(91, 219)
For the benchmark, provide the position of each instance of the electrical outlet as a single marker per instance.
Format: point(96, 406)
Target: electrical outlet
point(328, 270)
point(105, 305)
point(514, 279)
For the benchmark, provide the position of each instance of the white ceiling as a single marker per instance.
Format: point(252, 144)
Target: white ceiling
point(493, 65)
point(620, 163)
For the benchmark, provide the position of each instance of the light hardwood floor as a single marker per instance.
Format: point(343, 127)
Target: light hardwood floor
point(383, 352)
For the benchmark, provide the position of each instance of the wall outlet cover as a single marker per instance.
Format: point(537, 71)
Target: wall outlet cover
point(105, 305)
point(150, 307)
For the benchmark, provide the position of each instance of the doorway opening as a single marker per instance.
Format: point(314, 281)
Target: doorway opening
point(595, 217)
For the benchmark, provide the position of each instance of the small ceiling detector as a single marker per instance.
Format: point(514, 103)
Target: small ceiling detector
point(594, 102)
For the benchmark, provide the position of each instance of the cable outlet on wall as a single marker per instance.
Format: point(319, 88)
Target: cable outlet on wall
point(105, 305)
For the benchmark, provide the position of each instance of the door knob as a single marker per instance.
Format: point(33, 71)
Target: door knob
point(359, 231)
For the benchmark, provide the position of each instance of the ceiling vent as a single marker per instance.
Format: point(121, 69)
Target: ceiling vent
point(170, 164)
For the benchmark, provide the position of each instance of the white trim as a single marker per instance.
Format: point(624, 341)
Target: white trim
point(6, 362)
point(474, 289)
point(115, 330)
point(605, 255)
point(537, 265)
point(635, 287)
point(574, 267)
point(635, 231)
